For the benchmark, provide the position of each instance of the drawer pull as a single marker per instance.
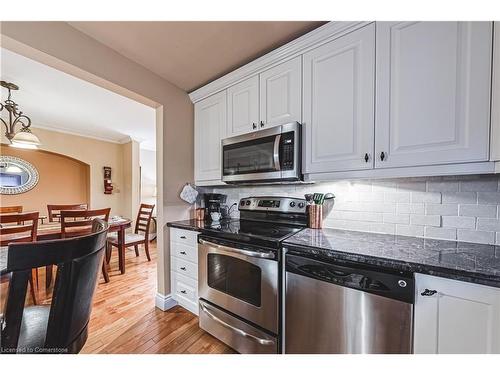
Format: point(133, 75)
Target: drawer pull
point(183, 253)
point(183, 237)
point(428, 293)
point(183, 268)
point(183, 292)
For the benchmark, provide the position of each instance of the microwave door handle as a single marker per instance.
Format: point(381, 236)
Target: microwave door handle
point(253, 254)
point(276, 152)
point(260, 340)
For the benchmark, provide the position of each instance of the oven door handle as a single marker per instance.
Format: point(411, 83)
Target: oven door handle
point(276, 152)
point(262, 341)
point(250, 253)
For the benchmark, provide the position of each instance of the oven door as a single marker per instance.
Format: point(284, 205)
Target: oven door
point(241, 281)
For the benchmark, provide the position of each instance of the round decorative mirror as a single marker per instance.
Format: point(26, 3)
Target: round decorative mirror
point(16, 175)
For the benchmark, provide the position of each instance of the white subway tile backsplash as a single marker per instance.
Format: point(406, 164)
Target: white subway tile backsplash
point(433, 220)
point(397, 197)
point(419, 197)
point(442, 186)
point(478, 236)
point(441, 209)
point(441, 233)
point(488, 224)
point(396, 219)
point(410, 208)
point(480, 184)
point(461, 197)
point(446, 207)
point(462, 222)
point(477, 210)
point(409, 230)
point(488, 198)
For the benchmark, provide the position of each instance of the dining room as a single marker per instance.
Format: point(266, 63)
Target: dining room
point(68, 173)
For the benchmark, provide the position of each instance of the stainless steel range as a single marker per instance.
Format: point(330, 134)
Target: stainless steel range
point(239, 273)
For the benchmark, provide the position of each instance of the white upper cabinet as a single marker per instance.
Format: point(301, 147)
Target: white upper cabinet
point(455, 317)
point(495, 100)
point(209, 129)
point(339, 80)
point(433, 93)
point(243, 107)
point(281, 94)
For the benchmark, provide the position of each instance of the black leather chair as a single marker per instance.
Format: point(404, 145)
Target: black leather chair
point(62, 326)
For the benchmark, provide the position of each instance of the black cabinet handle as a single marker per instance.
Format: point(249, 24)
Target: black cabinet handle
point(428, 293)
point(183, 292)
point(183, 268)
point(183, 252)
point(382, 155)
point(367, 157)
point(254, 125)
point(262, 124)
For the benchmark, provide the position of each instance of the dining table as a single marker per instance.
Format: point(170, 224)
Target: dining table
point(52, 231)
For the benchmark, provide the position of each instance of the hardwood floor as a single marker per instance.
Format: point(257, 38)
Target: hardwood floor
point(124, 318)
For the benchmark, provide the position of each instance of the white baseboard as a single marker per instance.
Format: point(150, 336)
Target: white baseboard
point(164, 302)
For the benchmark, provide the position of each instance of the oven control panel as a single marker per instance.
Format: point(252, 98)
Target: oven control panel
point(274, 204)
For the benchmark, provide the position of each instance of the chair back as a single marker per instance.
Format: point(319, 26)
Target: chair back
point(144, 219)
point(79, 222)
point(54, 210)
point(11, 209)
point(78, 263)
point(18, 227)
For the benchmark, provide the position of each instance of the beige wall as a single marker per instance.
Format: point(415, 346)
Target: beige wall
point(63, 47)
point(62, 180)
point(148, 176)
point(96, 154)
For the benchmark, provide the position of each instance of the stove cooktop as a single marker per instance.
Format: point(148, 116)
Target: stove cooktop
point(252, 232)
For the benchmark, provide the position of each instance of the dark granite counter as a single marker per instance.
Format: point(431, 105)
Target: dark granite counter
point(458, 260)
point(205, 227)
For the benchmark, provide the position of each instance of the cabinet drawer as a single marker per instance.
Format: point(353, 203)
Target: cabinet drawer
point(185, 288)
point(185, 252)
point(184, 267)
point(182, 236)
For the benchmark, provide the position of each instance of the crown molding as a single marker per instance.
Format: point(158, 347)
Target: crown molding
point(75, 133)
point(321, 35)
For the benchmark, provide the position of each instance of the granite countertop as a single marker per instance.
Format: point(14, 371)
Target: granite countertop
point(199, 226)
point(464, 261)
point(458, 260)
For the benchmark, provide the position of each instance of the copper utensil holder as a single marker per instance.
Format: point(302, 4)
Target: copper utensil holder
point(199, 214)
point(315, 216)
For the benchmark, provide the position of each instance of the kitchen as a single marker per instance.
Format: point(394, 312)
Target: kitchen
point(393, 121)
point(320, 187)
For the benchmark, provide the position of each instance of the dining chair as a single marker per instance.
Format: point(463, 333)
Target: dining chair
point(54, 210)
point(140, 235)
point(20, 228)
point(62, 326)
point(11, 209)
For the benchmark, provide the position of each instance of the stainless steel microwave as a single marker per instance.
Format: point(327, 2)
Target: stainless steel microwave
point(269, 155)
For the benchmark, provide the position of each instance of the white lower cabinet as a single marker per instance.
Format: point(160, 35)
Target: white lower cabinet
point(455, 317)
point(184, 268)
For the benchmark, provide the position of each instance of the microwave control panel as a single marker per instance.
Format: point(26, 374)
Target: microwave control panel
point(287, 151)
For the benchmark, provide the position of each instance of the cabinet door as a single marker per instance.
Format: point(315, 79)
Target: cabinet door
point(495, 99)
point(280, 94)
point(339, 80)
point(433, 93)
point(210, 127)
point(243, 107)
point(459, 318)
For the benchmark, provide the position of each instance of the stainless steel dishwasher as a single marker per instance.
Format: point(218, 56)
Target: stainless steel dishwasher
point(342, 307)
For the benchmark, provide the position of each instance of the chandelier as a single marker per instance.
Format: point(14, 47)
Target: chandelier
point(23, 138)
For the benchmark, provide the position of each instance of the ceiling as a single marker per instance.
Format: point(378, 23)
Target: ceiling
point(57, 101)
point(191, 54)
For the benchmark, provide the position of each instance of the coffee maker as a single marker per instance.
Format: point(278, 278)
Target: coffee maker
point(213, 203)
